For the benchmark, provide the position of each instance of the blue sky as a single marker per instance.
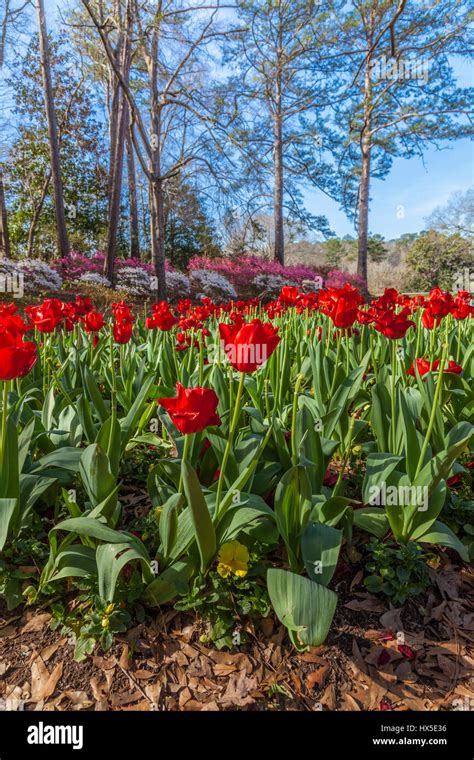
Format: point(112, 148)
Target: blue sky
point(417, 186)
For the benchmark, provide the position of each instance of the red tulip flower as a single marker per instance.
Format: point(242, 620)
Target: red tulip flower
point(193, 409)
point(341, 304)
point(93, 321)
point(17, 357)
point(462, 308)
point(394, 326)
point(452, 368)
point(440, 303)
point(122, 331)
point(162, 319)
point(423, 367)
point(248, 346)
point(47, 316)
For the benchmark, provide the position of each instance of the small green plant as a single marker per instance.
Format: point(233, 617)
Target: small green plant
point(399, 572)
point(458, 514)
point(92, 621)
point(18, 566)
point(225, 603)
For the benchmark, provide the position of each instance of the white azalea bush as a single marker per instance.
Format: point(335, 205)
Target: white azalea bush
point(135, 281)
point(39, 277)
point(211, 284)
point(178, 285)
point(270, 285)
point(94, 278)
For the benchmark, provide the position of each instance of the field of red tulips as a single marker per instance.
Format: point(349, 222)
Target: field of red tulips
point(282, 490)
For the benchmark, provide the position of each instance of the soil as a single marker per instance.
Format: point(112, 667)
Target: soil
point(377, 657)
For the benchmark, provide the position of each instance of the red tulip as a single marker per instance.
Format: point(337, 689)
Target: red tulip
point(248, 346)
point(452, 368)
point(423, 367)
point(93, 321)
point(122, 331)
point(439, 303)
point(394, 326)
point(17, 357)
point(427, 319)
point(47, 316)
point(162, 318)
point(341, 304)
point(462, 308)
point(193, 409)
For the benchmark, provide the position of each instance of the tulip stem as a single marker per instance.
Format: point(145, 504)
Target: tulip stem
point(294, 452)
point(458, 353)
point(230, 440)
point(372, 355)
point(433, 412)
point(4, 422)
point(338, 351)
point(392, 399)
point(432, 339)
point(187, 444)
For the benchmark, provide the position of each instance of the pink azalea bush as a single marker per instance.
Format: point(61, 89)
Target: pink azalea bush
point(75, 265)
point(337, 279)
point(244, 270)
point(241, 271)
point(248, 275)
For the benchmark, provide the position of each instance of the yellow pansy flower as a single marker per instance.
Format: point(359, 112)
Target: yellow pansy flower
point(233, 558)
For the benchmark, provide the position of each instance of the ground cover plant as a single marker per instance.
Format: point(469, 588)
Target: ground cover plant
point(275, 443)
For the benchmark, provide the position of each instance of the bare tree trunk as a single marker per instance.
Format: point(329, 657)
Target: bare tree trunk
point(5, 250)
point(133, 200)
point(157, 218)
point(279, 245)
point(115, 193)
point(363, 213)
point(37, 209)
point(61, 230)
point(364, 184)
point(118, 133)
point(157, 235)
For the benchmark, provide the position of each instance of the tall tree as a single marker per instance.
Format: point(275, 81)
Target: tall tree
point(28, 165)
point(171, 120)
point(10, 14)
point(394, 91)
point(132, 199)
point(61, 229)
point(275, 59)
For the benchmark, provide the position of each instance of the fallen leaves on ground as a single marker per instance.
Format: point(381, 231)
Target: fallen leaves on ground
point(378, 656)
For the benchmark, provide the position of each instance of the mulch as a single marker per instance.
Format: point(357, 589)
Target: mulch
point(377, 657)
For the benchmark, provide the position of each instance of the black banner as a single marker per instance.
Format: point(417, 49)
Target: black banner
point(234, 734)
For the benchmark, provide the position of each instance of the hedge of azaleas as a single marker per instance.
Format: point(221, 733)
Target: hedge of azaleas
point(249, 418)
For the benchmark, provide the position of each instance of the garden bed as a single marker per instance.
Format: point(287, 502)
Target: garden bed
point(162, 665)
point(238, 507)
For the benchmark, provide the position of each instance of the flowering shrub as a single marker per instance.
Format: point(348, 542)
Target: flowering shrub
point(212, 284)
point(8, 268)
point(94, 278)
point(303, 374)
point(134, 280)
point(337, 279)
point(72, 267)
point(178, 286)
point(39, 276)
point(243, 270)
point(270, 285)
